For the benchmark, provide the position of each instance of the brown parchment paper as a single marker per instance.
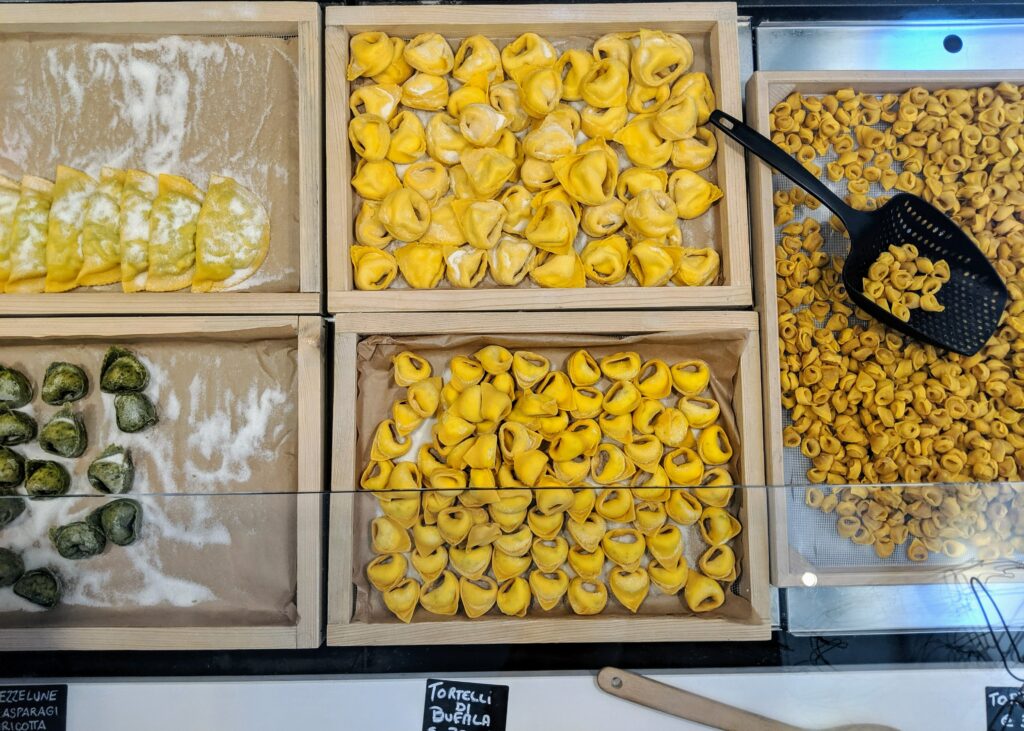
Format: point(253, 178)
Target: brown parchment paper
point(703, 231)
point(377, 392)
point(193, 106)
point(216, 476)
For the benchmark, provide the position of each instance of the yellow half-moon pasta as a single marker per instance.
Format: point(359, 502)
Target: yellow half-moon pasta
point(172, 234)
point(71, 192)
point(140, 190)
point(28, 237)
point(9, 195)
point(232, 236)
point(101, 232)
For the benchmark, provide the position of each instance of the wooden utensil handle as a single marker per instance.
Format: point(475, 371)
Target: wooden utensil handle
point(683, 704)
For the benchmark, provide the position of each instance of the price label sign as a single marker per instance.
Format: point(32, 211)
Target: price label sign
point(33, 707)
point(450, 705)
point(1004, 708)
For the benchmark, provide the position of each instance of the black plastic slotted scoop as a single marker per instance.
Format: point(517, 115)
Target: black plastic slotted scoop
point(974, 296)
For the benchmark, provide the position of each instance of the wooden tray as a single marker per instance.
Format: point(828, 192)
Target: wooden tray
point(307, 333)
point(343, 629)
point(765, 89)
point(297, 19)
point(715, 23)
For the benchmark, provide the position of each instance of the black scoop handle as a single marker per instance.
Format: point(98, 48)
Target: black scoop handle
point(779, 159)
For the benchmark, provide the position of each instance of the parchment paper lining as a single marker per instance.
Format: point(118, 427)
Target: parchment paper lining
point(228, 425)
point(194, 106)
point(701, 232)
point(377, 392)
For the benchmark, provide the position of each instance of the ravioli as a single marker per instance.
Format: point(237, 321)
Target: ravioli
point(64, 236)
point(9, 194)
point(172, 235)
point(232, 236)
point(136, 204)
point(101, 231)
point(28, 236)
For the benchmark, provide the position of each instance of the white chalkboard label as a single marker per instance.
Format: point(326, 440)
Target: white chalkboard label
point(33, 707)
point(450, 705)
point(1004, 707)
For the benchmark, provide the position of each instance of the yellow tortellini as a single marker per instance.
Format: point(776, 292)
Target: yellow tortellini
point(568, 168)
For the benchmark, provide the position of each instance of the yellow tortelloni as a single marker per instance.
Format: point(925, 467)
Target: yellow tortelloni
point(387, 571)
point(487, 169)
point(683, 507)
point(374, 269)
point(540, 90)
point(677, 121)
point(429, 178)
point(702, 594)
point(429, 53)
point(614, 45)
point(525, 53)
point(670, 581)
point(370, 136)
point(695, 153)
point(692, 194)
point(506, 99)
point(562, 271)
point(653, 264)
point(444, 229)
point(379, 99)
point(426, 92)
point(401, 599)
point(553, 227)
point(697, 267)
point(597, 122)
point(478, 62)
point(462, 97)
point(408, 142)
point(374, 179)
point(514, 597)
point(630, 587)
point(481, 124)
point(646, 99)
point(634, 181)
point(480, 221)
point(603, 220)
point(465, 267)
point(398, 70)
point(624, 547)
point(699, 412)
point(441, 596)
point(587, 596)
point(719, 563)
point(511, 260)
point(537, 175)
point(549, 587)
point(696, 86)
point(660, 58)
point(652, 214)
point(478, 595)
point(684, 467)
point(642, 144)
point(589, 176)
point(606, 85)
point(713, 446)
point(717, 526)
point(405, 214)
point(445, 142)
point(552, 139)
point(690, 377)
point(516, 199)
point(422, 265)
point(606, 261)
point(369, 54)
point(572, 67)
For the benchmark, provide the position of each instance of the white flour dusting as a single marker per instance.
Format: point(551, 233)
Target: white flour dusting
point(228, 435)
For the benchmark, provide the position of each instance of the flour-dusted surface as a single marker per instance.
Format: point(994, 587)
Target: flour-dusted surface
point(190, 106)
point(212, 549)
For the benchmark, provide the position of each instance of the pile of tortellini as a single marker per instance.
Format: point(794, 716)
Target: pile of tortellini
point(64, 435)
point(533, 484)
point(146, 233)
point(481, 165)
point(868, 405)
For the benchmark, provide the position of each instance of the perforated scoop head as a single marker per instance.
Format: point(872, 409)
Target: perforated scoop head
point(974, 296)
